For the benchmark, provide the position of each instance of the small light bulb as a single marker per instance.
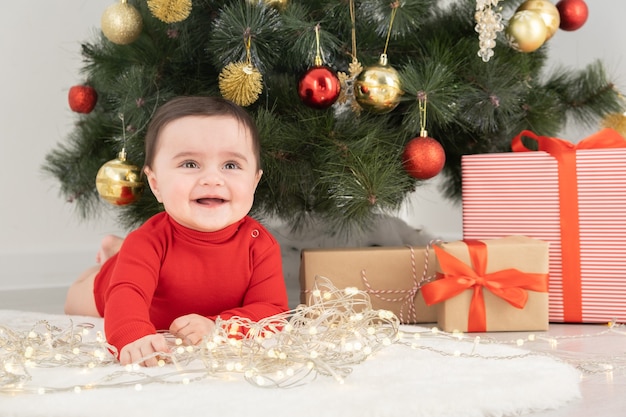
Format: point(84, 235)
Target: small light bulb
point(28, 352)
point(350, 291)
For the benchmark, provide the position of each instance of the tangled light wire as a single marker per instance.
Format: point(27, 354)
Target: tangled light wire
point(336, 330)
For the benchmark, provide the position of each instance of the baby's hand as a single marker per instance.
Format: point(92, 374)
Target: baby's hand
point(143, 347)
point(192, 328)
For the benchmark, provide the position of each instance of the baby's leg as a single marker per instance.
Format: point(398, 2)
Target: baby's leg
point(80, 299)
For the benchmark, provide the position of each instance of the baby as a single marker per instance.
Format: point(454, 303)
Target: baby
point(203, 257)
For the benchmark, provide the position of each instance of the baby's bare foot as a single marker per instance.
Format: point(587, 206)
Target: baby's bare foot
point(109, 246)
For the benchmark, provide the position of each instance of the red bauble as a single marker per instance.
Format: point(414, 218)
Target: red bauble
point(423, 157)
point(573, 13)
point(319, 87)
point(82, 98)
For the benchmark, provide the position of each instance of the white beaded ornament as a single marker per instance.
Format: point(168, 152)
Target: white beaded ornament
point(488, 24)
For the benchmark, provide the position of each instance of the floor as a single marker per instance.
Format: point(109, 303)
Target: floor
point(590, 345)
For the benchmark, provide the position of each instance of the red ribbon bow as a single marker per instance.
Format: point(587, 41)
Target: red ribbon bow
point(565, 154)
point(509, 284)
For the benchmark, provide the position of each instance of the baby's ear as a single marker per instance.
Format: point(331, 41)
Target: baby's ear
point(152, 181)
point(257, 178)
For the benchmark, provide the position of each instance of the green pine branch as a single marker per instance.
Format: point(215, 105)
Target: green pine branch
point(332, 166)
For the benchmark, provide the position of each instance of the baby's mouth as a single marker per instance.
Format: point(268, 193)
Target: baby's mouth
point(210, 201)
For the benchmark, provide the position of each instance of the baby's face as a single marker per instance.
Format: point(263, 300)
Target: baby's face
point(205, 171)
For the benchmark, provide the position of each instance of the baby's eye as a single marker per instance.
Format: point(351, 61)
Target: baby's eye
point(230, 165)
point(189, 164)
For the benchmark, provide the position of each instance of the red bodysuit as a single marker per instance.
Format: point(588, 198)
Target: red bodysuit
point(165, 271)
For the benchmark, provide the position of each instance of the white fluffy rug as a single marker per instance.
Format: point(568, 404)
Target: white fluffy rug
point(433, 380)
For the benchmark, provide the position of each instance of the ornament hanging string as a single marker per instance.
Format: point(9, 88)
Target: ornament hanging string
point(318, 53)
point(247, 39)
point(122, 153)
point(353, 22)
point(394, 9)
point(422, 97)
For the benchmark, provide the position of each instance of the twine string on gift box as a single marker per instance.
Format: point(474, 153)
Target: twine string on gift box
point(406, 296)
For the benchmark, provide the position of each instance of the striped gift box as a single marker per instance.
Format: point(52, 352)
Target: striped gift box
point(518, 194)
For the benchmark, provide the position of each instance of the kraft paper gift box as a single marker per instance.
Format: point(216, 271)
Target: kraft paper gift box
point(491, 285)
point(391, 276)
point(574, 197)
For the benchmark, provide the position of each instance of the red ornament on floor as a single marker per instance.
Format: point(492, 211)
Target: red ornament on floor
point(82, 98)
point(319, 87)
point(573, 13)
point(423, 157)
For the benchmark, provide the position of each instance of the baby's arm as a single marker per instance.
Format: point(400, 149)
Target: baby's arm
point(142, 347)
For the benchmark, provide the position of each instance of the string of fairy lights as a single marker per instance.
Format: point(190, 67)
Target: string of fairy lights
point(335, 331)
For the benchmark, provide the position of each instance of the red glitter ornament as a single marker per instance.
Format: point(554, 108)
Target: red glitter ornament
point(319, 87)
point(82, 98)
point(573, 13)
point(423, 157)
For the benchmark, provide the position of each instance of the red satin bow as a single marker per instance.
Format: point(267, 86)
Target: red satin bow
point(565, 154)
point(509, 284)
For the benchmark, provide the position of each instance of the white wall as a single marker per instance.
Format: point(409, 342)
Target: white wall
point(43, 242)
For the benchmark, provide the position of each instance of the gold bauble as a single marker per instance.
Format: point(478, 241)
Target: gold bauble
point(121, 23)
point(548, 12)
point(526, 31)
point(119, 182)
point(377, 88)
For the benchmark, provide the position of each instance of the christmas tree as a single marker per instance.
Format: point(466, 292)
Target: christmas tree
point(335, 153)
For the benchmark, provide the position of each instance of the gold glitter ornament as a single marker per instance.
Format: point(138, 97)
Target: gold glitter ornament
point(615, 121)
point(548, 12)
point(119, 182)
point(526, 31)
point(170, 11)
point(346, 94)
point(240, 83)
point(377, 88)
point(121, 23)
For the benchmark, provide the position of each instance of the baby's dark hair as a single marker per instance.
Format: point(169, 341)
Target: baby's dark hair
point(198, 106)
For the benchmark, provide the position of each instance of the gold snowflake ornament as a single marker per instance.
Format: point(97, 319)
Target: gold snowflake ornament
point(347, 86)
